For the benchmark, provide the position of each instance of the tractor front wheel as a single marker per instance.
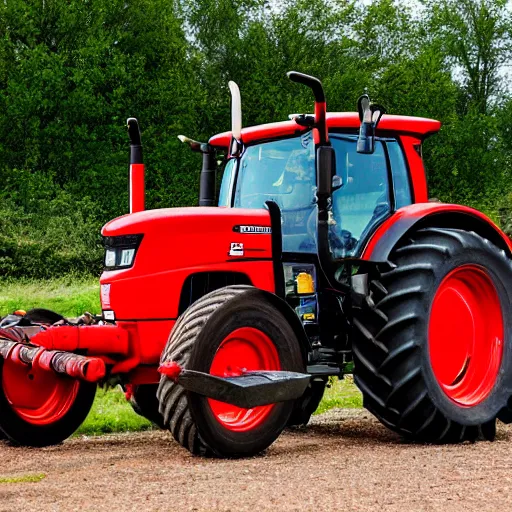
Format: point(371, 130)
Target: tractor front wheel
point(41, 408)
point(432, 345)
point(225, 333)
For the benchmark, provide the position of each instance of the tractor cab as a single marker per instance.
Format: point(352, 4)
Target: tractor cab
point(278, 162)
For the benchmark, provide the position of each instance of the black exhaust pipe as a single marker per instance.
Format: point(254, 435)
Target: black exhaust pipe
point(208, 171)
point(207, 180)
point(137, 187)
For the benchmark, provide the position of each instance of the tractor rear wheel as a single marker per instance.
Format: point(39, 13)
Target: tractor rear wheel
point(41, 408)
point(432, 345)
point(227, 331)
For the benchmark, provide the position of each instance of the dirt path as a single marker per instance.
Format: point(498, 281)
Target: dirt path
point(345, 461)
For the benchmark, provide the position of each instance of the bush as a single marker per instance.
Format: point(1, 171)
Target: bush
point(55, 236)
point(505, 214)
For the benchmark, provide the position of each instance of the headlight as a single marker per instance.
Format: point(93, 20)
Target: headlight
point(120, 251)
point(110, 258)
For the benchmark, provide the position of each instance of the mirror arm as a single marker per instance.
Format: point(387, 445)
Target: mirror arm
point(370, 116)
point(194, 145)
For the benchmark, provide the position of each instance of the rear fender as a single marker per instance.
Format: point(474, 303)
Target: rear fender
point(421, 215)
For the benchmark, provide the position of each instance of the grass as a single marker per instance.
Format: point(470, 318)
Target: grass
point(22, 479)
point(112, 413)
point(72, 296)
point(341, 394)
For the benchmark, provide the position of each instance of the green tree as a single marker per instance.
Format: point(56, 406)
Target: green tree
point(476, 38)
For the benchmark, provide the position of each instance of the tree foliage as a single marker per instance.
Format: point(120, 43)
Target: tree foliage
point(72, 71)
point(477, 39)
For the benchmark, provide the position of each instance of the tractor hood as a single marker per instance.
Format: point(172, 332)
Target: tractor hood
point(176, 238)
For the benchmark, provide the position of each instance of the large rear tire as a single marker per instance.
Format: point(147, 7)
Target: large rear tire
point(226, 331)
point(432, 344)
point(41, 408)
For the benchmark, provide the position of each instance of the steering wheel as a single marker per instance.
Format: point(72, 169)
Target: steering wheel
point(380, 210)
point(343, 240)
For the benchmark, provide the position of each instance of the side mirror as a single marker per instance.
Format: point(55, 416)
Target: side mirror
point(325, 172)
point(369, 115)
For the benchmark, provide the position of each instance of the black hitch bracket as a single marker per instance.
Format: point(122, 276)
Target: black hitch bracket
point(251, 389)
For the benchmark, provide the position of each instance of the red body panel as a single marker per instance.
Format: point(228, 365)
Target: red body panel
point(416, 168)
point(179, 242)
point(417, 211)
point(415, 126)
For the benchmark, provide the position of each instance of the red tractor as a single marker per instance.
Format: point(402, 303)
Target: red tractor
point(320, 256)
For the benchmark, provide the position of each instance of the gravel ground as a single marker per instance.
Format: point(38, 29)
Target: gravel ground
point(345, 460)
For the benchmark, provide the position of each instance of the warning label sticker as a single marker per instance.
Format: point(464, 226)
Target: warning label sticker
point(237, 249)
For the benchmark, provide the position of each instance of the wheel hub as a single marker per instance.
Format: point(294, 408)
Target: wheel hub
point(38, 396)
point(466, 335)
point(245, 349)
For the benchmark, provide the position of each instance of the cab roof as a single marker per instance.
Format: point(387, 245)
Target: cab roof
point(419, 127)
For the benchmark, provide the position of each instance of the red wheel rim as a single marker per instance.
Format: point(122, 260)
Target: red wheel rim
point(37, 396)
point(243, 350)
point(466, 335)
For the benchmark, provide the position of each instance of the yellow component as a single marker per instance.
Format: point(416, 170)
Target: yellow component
point(308, 316)
point(305, 283)
point(20, 312)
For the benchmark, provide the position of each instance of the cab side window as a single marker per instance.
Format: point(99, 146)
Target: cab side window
point(401, 184)
point(364, 198)
point(227, 183)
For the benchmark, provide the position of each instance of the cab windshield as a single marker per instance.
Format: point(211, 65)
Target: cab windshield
point(283, 171)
